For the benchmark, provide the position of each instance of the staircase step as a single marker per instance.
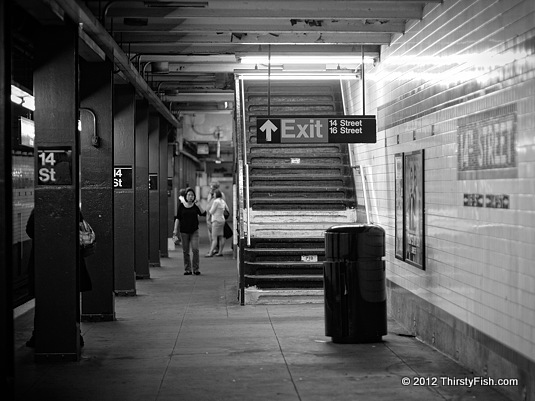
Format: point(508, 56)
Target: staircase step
point(283, 268)
point(296, 148)
point(304, 180)
point(300, 192)
point(298, 169)
point(297, 159)
point(285, 281)
point(257, 244)
point(285, 217)
point(280, 254)
point(288, 296)
point(300, 204)
point(300, 230)
point(311, 232)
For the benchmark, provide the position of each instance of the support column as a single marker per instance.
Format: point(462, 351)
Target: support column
point(6, 206)
point(162, 189)
point(142, 190)
point(124, 195)
point(170, 187)
point(96, 141)
point(56, 213)
point(154, 198)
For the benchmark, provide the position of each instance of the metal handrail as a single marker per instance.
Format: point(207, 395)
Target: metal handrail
point(248, 205)
point(365, 192)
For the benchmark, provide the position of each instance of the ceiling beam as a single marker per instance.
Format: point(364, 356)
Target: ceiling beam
point(262, 26)
point(198, 61)
point(282, 10)
point(232, 48)
point(259, 39)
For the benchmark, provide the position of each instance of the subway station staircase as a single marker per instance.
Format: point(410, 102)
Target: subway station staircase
point(296, 192)
point(289, 194)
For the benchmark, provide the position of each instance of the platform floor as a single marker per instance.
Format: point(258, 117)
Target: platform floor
point(186, 338)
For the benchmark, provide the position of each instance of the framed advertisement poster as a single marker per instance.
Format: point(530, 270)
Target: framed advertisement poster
point(414, 208)
point(400, 212)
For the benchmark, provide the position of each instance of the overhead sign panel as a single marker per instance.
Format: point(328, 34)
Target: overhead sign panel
point(316, 129)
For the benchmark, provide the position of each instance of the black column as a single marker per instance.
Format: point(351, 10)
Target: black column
point(162, 189)
point(6, 205)
point(142, 190)
point(96, 141)
point(124, 179)
point(56, 239)
point(154, 197)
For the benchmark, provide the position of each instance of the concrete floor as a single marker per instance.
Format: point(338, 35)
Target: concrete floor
point(187, 338)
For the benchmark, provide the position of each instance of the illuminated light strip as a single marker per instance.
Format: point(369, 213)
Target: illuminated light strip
point(16, 99)
point(18, 96)
point(281, 76)
point(305, 59)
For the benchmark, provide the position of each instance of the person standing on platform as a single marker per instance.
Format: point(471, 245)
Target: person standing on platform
point(210, 200)
point(188, 219)
point(217, 212)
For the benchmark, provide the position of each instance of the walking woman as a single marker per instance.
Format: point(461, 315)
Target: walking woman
point(188, 216)
point(217, 211)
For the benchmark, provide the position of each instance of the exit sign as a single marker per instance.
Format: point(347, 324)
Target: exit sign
point(316, 129)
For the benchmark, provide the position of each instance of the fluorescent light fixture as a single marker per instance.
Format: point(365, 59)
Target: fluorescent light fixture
point(29, 103)
point(304, 67)
point(18, 92)
point(347, 75)
point(264, 59)
point(19, 96)
point(16, 99)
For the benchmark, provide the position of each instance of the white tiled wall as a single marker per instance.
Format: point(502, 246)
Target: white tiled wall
point(465, 57)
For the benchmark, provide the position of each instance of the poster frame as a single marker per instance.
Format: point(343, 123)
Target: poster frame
point(399, 206)
point(414, 208)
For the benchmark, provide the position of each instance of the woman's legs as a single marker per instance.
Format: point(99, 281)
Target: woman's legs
point(221, 244)
point(195, 251)
point(186, 239)
point(209, 226)
point(213, 246)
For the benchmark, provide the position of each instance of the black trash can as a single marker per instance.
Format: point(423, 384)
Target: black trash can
point(354, 283)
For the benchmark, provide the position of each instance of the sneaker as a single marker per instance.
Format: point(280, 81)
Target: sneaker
point(188, 273)
point(197, 273)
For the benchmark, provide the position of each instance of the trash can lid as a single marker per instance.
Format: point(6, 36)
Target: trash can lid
point(353, 228)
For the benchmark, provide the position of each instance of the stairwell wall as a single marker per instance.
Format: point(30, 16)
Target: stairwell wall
point(460, 85)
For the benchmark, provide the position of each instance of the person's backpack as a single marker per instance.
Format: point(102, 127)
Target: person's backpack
point(88, 239)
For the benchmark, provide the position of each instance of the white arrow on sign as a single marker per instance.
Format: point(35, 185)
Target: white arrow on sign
point(268, 127)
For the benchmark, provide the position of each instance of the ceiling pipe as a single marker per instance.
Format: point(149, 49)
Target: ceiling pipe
point(80, 14)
